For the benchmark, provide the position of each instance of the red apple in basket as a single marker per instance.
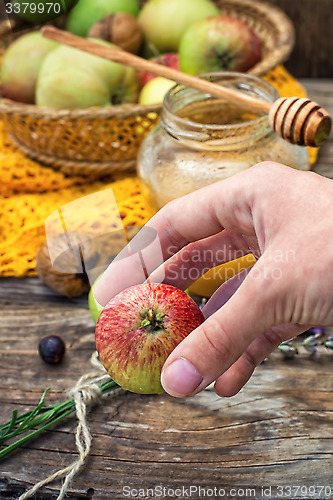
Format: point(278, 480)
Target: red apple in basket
point(218, 43)
point(170, 59)
point(138, 329)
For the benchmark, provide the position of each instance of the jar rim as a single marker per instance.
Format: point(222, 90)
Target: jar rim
point(268, 93)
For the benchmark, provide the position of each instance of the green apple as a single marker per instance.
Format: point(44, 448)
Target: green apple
point(154, 90)
point(70, 78)
point(21, 64)
point(218, 43)
point(88, 12)
point(164, 21)
point(94, 307)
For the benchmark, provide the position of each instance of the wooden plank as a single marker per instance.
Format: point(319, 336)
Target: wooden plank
point(313, 21)
point(276, 433)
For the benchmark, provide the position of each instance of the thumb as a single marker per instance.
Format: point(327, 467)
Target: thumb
point(214, 346)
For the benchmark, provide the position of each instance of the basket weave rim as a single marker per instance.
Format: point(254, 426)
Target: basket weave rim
point(273, 15)
point(67, 166)
point(8, 106)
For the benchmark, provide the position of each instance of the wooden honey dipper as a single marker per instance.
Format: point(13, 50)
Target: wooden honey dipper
point(297, 120)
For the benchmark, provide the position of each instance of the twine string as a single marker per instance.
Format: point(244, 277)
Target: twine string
point(85, 393)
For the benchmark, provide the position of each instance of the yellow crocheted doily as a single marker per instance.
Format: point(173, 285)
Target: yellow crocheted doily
point(29, 193)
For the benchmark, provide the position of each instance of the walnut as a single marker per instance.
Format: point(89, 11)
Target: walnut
point(122, 29)
point(73, 281)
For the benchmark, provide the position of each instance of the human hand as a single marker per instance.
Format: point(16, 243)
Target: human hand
point(281, 215)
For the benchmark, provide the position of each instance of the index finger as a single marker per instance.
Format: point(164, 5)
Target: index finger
point(193, 217)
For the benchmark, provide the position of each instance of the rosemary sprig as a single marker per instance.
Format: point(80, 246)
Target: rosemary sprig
point(35, 421)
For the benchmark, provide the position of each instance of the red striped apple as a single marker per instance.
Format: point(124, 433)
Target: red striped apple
point(139, 328)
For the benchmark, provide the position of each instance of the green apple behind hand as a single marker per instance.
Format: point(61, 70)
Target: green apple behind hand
point(70, 78)
point(88, 12)
point(94, 307)
point(21, 64)
point(164, 21)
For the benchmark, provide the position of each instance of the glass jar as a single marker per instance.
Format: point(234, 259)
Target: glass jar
point(201, 139)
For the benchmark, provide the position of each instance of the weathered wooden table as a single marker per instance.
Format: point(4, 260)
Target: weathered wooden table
point(273, 440)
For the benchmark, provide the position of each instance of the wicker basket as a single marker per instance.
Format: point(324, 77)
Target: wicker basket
point(100, 141)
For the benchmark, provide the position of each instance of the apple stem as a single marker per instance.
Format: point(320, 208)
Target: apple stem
point(152, 321)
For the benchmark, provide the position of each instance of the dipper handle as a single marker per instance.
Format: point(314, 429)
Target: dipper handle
point(297, 120)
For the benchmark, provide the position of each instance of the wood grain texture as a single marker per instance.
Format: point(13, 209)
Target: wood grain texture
point(313, 21)
point(277, 432)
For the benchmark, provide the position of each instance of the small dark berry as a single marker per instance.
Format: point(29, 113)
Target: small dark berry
point(51, 349)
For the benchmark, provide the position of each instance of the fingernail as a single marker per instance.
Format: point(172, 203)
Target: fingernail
point(180, 378)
